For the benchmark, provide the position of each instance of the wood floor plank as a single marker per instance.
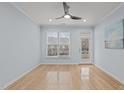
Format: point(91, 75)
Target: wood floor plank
point(66, 77)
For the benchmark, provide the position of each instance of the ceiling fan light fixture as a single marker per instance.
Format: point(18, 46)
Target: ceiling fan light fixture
point(50, 20)
point(67, 16)
point(84, 20)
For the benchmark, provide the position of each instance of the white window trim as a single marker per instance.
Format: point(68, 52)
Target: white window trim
point(58, 56)
point(47, 46)
point(68, 44)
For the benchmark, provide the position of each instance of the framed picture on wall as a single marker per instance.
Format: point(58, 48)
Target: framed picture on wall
point(114, 35)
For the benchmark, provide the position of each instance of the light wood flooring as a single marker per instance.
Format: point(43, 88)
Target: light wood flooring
point(66, 77)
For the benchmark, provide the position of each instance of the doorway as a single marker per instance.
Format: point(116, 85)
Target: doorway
point(86, 50)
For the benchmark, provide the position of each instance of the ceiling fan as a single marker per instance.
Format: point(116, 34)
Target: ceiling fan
point(67, 15)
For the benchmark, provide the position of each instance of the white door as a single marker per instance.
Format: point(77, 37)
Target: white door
point(86, 48)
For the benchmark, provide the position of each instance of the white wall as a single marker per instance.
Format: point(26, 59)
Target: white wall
point(19, 44)
point(74, 48)
point(110, 60)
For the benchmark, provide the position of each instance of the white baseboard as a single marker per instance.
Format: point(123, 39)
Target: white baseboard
point(59, 63)
point(11, 82)
point(110, 74)
point(64, 63)
point(86, 63)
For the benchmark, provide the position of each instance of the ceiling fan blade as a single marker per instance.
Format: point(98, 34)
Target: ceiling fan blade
point(67, 15)
point(66, 8)
point(76, 18)
point(60, 17)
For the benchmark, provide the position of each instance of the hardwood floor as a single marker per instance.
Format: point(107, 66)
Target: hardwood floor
point(66, 77)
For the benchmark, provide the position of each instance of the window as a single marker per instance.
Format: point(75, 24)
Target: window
point(64, 42)
point(58, 44)
point(52, 44)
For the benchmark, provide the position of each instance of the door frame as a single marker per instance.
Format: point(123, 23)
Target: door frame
point(91, 41)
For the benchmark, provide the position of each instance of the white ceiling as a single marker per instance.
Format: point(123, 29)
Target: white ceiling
point(93, 12)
